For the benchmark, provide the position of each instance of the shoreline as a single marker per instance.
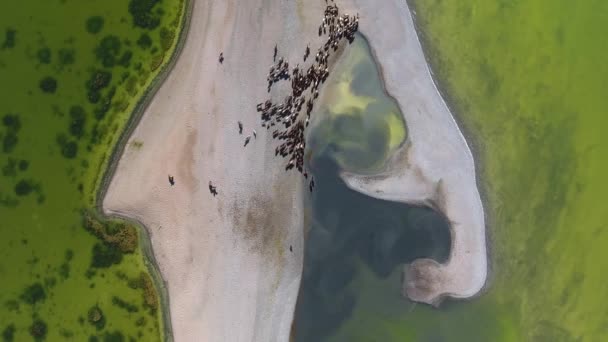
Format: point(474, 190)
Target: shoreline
point(111, 164)
point(418, 181)
point(473, 142)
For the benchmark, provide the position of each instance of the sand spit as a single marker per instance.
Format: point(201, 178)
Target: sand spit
point(434, 167)
point(226, 260)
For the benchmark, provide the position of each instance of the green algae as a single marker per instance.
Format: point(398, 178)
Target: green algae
point(72, 75)
point(358, 121)
point(527, 81)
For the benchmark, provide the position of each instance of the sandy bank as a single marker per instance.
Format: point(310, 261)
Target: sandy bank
point(226, 259)
point(434, 167)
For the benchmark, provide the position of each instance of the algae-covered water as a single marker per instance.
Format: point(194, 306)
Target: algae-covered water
point(527, 81)
point(72, 72)
point(358, 125)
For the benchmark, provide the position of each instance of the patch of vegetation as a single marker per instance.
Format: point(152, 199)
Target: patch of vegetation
point(108, 50)
point(125, 59)
point(9, 142)
point(33, 294)
point(9, 38)
point(38, 330)
point(11, 122)
point(8, 334)
point(24, 187)
point(99, 80)
point(10, 168)
point(96, 318)
point(64, 270)
point(156, 62)
point(144, 41)
point(13, 125)
point(44, 55)
point(105, 104)
point(119, 234)
point(69, 255)
point(12, 305)
point(140, 322)
point(94, 24)
point(137, 144)
point(23, 165)
point(48, 85)
point(166, 38)
point(66, 56)
point(142, 14)
point(105, 255)
point(121, 303)
point(150, 294)
point(66, 334)
point(77, 121)
point(131, 85)
point(145, 283)
point(115, 336)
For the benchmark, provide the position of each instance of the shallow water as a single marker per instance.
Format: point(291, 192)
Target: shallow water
point(357, 245)
point(61, 115)
point(356, 123)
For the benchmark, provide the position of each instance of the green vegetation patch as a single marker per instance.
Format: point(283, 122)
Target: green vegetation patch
point(94, 24)
point(120, 234)
point(527, 81)
point(9, 38)
point(48, 85)
point(33, 294)
point(8, 334)
point(66, 106)
point(38, 329)
point(96, 318)
point(44, 55)
point(142, 12)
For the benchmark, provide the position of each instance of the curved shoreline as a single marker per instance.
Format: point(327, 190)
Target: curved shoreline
point(111, 164)
point(429, 177)
point(472, 140)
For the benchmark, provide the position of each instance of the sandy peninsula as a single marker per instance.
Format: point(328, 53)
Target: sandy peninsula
point(434, 167)
point(226, 260)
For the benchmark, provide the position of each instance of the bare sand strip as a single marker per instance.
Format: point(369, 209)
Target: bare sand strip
point(226, 259)
point(434, 167)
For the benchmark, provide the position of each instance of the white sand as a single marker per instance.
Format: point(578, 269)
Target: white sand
point(226, 260)
point(435, 166)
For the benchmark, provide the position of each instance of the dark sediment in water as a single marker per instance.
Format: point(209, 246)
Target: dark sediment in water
point(351, 231)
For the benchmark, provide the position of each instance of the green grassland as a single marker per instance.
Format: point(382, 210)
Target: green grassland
point(527, 81)
point(72, 73)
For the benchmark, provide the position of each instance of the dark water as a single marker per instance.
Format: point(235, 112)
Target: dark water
point(352, 233)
